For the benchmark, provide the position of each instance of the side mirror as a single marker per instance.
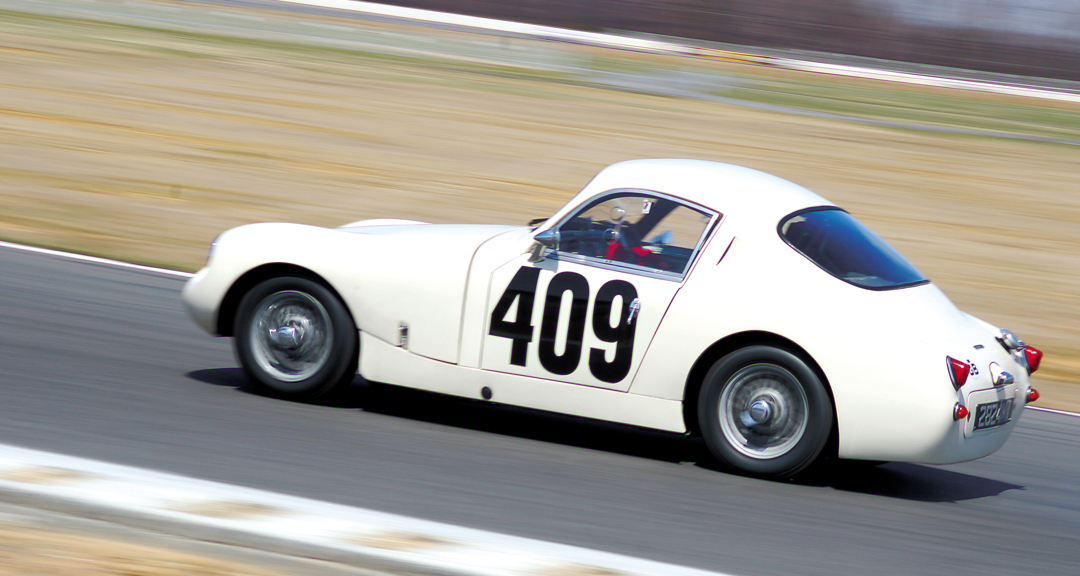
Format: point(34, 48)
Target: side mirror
point(543, 241)
point(549, 238)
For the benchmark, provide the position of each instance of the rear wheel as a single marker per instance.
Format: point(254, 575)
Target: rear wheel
point(295, 338)
point(764, 412)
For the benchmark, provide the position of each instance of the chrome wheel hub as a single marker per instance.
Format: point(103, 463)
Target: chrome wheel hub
point(286, 337)
point(760, 411)
point(290, 335)
point(763, 411)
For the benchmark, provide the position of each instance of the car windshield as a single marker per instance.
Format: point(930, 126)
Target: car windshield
point(845, 248)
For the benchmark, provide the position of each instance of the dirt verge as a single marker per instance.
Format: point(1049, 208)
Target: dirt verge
point(40, 543)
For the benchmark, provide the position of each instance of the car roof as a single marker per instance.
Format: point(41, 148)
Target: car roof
point(734, 191)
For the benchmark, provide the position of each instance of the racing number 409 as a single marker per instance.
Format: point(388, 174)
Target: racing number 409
point(522, 288)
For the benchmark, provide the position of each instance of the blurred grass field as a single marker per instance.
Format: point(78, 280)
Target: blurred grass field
point(141, 139)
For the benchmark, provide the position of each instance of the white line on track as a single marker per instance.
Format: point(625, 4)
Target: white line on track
point(661, 47)
point(95, 260)
point(1052, 411)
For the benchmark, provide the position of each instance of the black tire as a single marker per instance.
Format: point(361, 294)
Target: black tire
point(764, 412)
point(295, 338)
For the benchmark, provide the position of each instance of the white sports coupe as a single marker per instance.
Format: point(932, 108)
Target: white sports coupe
point(680, 295)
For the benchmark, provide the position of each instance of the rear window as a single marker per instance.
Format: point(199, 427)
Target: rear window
point(845, 248)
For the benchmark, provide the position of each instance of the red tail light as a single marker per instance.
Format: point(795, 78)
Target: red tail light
point(958, 371)
point(1033, 357)
point(959, 412)
point(1032, 395)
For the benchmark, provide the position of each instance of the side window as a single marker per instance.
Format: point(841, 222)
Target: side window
point(653, 232)
point(677, 234)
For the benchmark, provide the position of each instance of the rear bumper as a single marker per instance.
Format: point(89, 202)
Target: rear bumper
point(963, 442)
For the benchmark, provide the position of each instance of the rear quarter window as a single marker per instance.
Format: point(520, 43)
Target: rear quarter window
point(847, 249)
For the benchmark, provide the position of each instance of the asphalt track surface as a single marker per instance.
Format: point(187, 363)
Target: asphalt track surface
point(102, 362)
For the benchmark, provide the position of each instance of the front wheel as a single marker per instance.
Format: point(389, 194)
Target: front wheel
point(764, 412)
point(295, 338)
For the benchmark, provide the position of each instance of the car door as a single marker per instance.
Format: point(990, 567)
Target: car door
point(586, 311)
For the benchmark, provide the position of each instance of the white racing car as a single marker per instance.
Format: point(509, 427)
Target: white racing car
point(679, 295)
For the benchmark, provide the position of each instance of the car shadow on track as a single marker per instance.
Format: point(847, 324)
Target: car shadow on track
point(491, 417)
point(893, 480)
point(905, 481)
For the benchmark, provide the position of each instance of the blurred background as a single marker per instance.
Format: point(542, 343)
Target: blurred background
point(1024, 37)
point(138, 130)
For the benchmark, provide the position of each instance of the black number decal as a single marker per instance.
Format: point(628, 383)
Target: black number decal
point(622, 334)
point(579, 307)
point(522, 288)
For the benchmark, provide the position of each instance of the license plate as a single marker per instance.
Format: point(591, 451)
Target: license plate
point(993, 414)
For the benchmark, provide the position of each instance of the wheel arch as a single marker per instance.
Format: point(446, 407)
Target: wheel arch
point(231, 302)
point(734, 342)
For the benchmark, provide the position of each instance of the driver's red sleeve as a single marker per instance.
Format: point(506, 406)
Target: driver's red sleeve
point(612, 249)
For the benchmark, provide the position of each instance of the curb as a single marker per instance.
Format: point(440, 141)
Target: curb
point(291, 525)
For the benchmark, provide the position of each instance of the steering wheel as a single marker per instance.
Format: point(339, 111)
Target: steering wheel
point(620, 246)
